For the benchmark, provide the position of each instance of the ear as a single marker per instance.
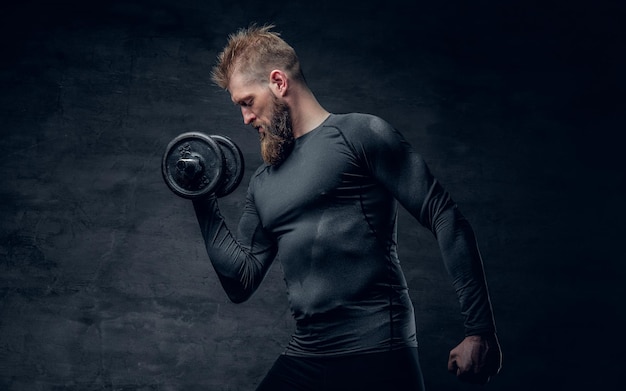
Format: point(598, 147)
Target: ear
point(279, 83)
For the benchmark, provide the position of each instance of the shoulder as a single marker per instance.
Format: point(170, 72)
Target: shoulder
point(258, 176)
point(358, 122)
point(361, 129)
point(260, 170)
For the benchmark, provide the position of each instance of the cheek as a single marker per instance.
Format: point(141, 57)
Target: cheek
point(266, 118)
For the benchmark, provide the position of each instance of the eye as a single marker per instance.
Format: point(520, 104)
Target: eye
point(245, 102)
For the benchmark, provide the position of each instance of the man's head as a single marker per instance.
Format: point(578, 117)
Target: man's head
point(256, 66)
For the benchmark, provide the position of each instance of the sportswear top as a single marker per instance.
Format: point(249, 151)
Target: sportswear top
point(328, 213)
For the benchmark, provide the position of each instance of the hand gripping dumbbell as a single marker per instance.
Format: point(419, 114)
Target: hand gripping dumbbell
point(195, 165)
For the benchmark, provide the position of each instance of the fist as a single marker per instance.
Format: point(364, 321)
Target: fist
point(476, 359)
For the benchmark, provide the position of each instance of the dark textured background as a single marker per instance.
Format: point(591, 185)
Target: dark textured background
point(104, 282)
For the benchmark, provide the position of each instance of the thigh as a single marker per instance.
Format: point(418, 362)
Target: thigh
point(293, 374)
point(396, 370)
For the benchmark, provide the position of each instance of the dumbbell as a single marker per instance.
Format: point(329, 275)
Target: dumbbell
point(195, 165)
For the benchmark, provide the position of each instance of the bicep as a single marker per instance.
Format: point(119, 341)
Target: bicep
point(252, 235)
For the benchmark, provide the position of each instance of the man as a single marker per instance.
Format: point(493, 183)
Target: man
point(325, 206)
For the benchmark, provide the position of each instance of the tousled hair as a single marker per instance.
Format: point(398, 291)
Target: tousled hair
point(255, 51)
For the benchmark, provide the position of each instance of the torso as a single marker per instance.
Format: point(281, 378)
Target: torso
point(335, 228)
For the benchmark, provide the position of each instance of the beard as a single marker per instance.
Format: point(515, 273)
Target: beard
point(277, 140)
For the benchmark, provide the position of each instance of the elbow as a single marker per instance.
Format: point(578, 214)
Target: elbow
point(236, 292)
point(239, 297)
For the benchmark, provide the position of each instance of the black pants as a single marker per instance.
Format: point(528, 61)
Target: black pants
point(396, 370)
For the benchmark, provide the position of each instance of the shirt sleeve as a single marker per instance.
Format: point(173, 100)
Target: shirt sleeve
point(394, 163)
point(241, 263)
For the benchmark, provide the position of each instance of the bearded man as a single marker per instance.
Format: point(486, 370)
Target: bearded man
point(324, 204)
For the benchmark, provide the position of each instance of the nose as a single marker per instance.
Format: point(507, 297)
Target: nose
point(248, 115)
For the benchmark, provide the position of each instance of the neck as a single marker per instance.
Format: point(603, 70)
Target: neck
point(306, 112)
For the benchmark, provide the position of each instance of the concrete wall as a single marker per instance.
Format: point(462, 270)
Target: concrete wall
point(104, 282)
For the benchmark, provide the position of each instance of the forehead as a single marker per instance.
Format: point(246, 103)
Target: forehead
point(242, 87)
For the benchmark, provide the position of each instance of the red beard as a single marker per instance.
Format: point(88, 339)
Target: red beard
point(277, 140)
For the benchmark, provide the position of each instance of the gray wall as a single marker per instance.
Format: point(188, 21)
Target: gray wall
point(104, 282)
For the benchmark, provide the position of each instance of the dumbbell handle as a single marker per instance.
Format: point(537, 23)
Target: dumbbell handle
point(189, 167)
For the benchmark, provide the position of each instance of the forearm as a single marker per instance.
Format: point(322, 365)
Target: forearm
point(240, 267)
point(435, 209)
point(463, 262)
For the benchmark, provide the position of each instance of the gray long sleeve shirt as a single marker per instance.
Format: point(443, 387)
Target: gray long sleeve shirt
point(328, 214)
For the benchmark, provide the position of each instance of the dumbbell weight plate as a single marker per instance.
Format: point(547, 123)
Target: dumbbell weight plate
point(192, 165)
point(233, 168)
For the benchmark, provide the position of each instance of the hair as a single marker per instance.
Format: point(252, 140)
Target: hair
point(255, 51)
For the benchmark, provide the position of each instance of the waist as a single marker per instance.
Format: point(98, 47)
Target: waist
point(366, 326)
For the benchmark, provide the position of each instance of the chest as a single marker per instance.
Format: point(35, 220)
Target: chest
point(321, 172)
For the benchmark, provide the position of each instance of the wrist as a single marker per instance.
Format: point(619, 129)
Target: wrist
point(482, 335)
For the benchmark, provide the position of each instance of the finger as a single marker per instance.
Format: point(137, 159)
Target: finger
point(473, 373)
point(452, 365)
